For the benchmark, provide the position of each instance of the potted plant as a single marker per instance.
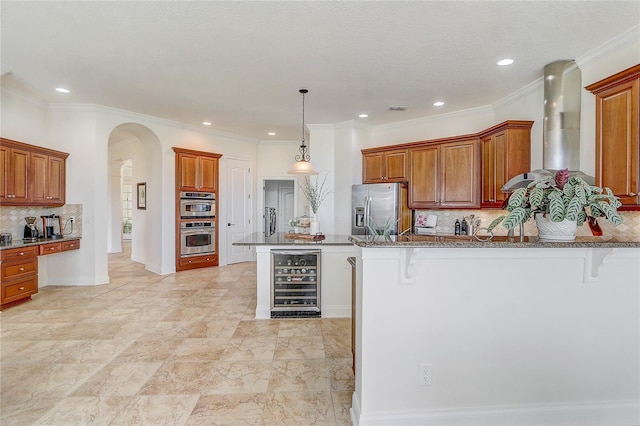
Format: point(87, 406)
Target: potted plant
point(560, 199)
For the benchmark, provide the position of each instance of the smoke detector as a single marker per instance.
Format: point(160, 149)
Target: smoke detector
point(397, 108)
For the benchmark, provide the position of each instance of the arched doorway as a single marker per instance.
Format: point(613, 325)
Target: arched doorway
point(138, 146)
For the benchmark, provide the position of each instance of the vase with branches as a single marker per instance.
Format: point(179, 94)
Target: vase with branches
point(315, 192)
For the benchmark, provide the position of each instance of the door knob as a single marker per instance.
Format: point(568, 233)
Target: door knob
point(230, 224)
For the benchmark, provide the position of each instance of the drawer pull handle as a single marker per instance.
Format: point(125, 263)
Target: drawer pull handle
point(632, 194)
point(21, 288)
point(52, 248)
point(20, 269)
point(21, 253)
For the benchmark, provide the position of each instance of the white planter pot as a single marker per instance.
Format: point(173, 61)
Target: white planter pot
point(555, 231)
point(315, 225)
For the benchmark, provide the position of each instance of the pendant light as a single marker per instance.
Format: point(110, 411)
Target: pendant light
point(302, 166)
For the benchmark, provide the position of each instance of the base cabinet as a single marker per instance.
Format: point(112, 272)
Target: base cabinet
point(19, 273)
point(19, 270)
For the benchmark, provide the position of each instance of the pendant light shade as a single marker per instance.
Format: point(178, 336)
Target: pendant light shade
point(302, 166)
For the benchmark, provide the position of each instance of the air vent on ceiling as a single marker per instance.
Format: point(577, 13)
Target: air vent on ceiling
point(397, 108)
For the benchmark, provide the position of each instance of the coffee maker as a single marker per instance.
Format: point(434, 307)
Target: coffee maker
point(30, 230)
point(48, 229)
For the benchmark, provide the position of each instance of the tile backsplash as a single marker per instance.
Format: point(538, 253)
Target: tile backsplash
point(629, 228)
point(12, 219)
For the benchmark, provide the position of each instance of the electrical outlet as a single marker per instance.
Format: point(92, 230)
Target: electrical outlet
point(72, 219)
point(425, 375)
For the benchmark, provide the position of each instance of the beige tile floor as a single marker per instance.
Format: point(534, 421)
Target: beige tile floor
point(181, 349)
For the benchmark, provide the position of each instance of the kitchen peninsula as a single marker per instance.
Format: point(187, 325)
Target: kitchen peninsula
point(510, 332)
point(335, 271)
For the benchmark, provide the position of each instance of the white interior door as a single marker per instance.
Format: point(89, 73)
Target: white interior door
point(285, 207)
point(238, 209)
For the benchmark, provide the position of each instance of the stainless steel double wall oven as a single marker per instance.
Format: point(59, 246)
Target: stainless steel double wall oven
point(198, 226)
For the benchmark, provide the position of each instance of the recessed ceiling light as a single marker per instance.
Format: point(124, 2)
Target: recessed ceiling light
point(206, 123)
point(505, 62)
point(271, 133)
point(62, 90)
point(363, 115)
point(438, 104)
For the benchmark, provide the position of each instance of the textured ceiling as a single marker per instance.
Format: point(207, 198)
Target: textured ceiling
point(240, 64)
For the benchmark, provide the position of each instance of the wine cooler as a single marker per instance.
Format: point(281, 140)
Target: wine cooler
point(295, 283)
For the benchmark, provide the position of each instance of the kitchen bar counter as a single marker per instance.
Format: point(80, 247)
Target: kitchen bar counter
point(278, 239)
point(528, 321)
point(465, 241)
point(22, 243)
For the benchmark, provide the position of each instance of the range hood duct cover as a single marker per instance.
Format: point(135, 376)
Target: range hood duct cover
point(561, 125)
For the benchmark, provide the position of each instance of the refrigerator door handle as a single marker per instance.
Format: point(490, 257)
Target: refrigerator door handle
point(367, 212)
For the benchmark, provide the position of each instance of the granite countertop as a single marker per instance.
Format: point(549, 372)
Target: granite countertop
point(462, 241)
point(24, 243)
point(278, 239)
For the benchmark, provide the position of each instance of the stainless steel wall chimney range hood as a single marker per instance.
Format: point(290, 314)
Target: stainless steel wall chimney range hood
point(561, 125)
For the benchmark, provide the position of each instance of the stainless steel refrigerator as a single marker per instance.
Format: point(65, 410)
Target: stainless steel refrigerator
point(376, 205)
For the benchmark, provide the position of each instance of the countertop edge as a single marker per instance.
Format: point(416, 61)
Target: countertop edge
point(20, 243)
point(489, 244)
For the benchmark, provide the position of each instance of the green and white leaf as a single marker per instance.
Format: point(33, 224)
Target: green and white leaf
point(515, 217)
point(495, 223)
point(518, 198)
point(573, 209)
point(556, 209)
point(535, 197)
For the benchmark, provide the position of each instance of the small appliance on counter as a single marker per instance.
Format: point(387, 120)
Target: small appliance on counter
point(425, 224)
point(30, 230)
point(5, 239)
point(48, 227)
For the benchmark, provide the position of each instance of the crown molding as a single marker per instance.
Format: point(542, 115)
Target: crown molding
point(134, 115)
point(536, 86)
point(626, 39)
point(434, 118)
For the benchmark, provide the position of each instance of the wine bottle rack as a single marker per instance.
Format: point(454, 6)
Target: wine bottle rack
point(295, 283)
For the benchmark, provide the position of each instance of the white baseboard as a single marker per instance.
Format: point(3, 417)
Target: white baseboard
point(623, 413)
point(263, 313)
point(75, 281)
point(336, 311)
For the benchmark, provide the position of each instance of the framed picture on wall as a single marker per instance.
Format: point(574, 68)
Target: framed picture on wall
point(142, 196)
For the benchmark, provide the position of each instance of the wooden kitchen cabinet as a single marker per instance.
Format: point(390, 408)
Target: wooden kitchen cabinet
point(31, 175)
point(617, 135)
point(14, 176)
point(444, 175)
point(48, 179)
point(387, 165)
point(506, 152)
point(19, 275)
point(197, 171)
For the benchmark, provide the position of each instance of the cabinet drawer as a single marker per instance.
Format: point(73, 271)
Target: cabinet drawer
point(50, 248)
point(70, 245)
point(19, 290)
point(198, 261)
point(26, 268)
point(19, 253)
